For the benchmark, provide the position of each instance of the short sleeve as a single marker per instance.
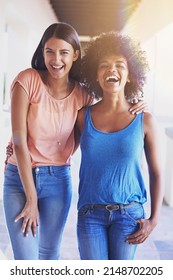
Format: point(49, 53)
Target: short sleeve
point(28, 80)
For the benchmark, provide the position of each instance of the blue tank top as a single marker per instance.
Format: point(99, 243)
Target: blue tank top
point(110, 170)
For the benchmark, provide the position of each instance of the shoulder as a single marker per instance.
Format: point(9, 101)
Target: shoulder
point(149, 122)
point(84, 98)
point(28, 73)
point(27, 76)
point(29, 79)
point(80, 89)
point(148, 118)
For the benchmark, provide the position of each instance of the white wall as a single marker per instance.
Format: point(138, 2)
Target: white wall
point(152, 25)
point(22, 24)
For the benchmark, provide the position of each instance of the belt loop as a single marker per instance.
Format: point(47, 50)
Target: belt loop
point(51, 171)
point(122, 209)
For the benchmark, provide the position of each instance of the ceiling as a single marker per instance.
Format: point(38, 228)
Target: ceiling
point(91, 17)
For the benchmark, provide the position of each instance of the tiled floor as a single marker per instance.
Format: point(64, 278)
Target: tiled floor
point(158, 246)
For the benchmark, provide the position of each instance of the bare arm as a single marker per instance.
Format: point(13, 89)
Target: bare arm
point(19, 110)
point(154, 166)
point(79, 127)
point(155, 181)
point(77, 138)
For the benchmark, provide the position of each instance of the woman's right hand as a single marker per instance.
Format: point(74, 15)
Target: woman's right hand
point(9, 150)
point(30, 217)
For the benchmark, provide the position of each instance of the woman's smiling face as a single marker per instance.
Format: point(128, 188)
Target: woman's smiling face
point(112, 73)
point(59, 57)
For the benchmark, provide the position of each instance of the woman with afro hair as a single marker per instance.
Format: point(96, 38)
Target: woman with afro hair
point(111, 217)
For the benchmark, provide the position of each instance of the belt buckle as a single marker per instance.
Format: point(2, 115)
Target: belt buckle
point(112, 207)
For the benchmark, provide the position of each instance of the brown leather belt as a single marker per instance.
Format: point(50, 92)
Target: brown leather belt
point(112, 206)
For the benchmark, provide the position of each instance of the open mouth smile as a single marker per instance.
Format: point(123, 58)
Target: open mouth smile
point(57, 67)
point(112, 79)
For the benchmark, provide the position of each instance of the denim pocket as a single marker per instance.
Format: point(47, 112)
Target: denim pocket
point(11, 171)
point(12, 179)
point(61, 172)
point(11, 175)
point(84, 211)
point(135, 212)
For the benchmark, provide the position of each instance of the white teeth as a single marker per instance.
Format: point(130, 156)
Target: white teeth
point(112, 79)
point(57, 67)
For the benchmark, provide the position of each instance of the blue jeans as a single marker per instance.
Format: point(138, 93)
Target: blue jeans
point(102, 233)
point(53, 185)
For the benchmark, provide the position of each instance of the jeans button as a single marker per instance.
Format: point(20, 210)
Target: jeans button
point(37, 169)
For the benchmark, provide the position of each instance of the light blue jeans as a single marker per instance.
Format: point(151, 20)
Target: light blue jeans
point(102, 233)
point(53, 185)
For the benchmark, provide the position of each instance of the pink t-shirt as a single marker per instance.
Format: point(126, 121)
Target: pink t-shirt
point(50, 122)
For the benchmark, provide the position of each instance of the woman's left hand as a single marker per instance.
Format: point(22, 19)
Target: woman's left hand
point(138, 106)
point(146, 227)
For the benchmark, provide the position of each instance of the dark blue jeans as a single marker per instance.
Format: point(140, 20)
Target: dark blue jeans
point(53, 185)
point(102, 233)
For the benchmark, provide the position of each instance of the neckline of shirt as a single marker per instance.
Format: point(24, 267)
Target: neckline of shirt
point(53, 98)
point(114, 132)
